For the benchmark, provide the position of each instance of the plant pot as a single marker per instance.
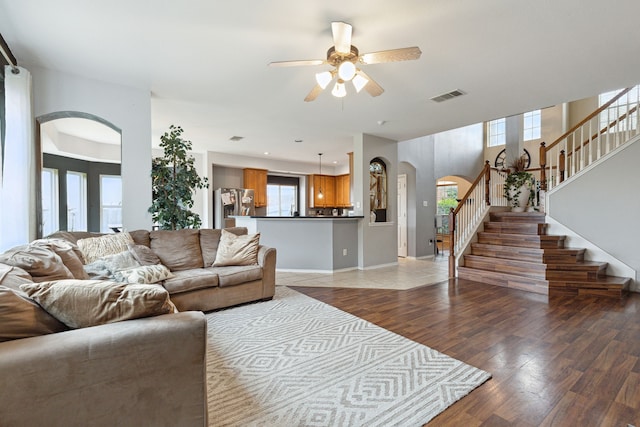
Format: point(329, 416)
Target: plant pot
point(521, 200)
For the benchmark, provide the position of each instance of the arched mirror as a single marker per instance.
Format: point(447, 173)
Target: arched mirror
point(80, 181)
point(378, 190)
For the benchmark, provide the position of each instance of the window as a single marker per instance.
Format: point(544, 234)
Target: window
point(378, 190)
point(282, 195)
point(496, 133)
point(617, 109)
point(532, 125)
point(447, 196)
point(50, 209)
point(110, 202)
point(76, 201)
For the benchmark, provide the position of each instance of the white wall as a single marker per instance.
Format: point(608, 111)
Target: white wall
point(127, 108)
point(601, 204)
point(456, 152)
point(377, 242)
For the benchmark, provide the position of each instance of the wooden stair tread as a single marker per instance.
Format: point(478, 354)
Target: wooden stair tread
point(558, 255)
point(530, 284)
point(507, 216)
point(512, 227)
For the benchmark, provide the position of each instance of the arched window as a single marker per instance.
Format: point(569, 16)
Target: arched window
point(378, 190)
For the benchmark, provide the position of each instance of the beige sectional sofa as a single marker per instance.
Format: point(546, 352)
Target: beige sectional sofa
point(142, 371)
point(196, 284)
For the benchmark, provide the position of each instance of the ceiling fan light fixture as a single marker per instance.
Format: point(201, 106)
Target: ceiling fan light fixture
point(324, 78)
point(346, 70)
point(339, 90)
point(359, 82)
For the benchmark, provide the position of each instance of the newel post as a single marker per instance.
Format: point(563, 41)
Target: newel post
point(543, 166)
point(452, 256)
point(487, 182)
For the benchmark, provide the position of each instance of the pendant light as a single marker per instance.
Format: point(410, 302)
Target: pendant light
point(320, 195)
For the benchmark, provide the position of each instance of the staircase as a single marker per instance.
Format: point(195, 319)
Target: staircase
point(515, 251)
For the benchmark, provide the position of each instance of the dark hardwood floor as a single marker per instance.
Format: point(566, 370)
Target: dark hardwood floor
point(562, 361)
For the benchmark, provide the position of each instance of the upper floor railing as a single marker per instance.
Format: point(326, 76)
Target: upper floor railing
point(595, 136)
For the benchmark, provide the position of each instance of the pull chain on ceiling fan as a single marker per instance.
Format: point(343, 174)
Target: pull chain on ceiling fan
point(345, 58)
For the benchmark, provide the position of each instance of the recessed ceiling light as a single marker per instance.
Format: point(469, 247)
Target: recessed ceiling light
point(335, 162)
point(266, 153)
point(236, 138)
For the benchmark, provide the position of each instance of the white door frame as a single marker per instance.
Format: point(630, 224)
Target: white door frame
point(402, 216)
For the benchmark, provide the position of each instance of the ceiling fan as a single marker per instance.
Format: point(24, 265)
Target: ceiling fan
point(345, 58)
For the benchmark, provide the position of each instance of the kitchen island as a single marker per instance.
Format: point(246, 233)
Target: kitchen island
point(322, 244)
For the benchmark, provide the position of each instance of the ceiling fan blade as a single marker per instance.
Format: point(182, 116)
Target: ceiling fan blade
point(372, 86)
point(297, 63)
point(341, 36)
point(314, 93)
point(402, 54)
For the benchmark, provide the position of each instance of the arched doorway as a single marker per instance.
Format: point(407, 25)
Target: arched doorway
point(78, 180)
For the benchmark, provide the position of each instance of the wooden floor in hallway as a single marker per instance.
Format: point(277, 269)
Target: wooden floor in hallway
point(565, 361)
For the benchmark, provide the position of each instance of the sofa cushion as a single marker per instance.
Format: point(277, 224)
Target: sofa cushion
point(109, 244)
point(177, 249)
point(210, 239)
point(12, 277)
point(21, 317)
point(236, 275)
point(68, 252)
point(144, 274)
point(140, 237)
point(237, 250)
point(83, 303)
point(144, 255)
point(41, 263)
point(191, 280)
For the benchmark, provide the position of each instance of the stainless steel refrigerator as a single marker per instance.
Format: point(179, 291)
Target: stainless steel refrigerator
point(229, 202)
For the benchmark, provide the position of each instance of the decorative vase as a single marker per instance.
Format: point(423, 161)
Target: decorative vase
point(372, 217)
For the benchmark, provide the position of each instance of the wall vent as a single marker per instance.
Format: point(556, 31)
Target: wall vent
point(449, 95)
point(236, 138)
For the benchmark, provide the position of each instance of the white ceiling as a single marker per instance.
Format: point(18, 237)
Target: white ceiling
point(205, 62)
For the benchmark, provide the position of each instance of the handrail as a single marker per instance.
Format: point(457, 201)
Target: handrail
point(589, 117)
point(576, 152)
point(471, 207)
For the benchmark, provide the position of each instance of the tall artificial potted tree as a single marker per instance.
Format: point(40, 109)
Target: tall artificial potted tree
point(174, 180)
point(519, 186)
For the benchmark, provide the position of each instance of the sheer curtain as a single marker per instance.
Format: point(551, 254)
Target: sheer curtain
point(17, 191)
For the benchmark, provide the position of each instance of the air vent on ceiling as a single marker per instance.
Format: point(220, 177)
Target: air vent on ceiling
point(236, 138)
point(448, 95)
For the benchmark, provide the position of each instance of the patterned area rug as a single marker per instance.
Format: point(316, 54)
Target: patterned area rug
point(295, 361)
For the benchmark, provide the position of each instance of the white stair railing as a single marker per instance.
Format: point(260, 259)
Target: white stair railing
point(597, 135)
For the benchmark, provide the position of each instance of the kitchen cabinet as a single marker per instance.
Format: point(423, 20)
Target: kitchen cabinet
point(343, 191)
point(328, 185)
point(256, 179)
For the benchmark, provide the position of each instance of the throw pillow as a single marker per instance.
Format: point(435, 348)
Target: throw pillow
point(68, 252)
point(83, 303)
point(237, 250)
point(96, 247)
point(144, 274)
point(21, 317)
point(177, 249)
point(41, 263)
point(210, 239)
point(12, 277)
point(144, 255)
